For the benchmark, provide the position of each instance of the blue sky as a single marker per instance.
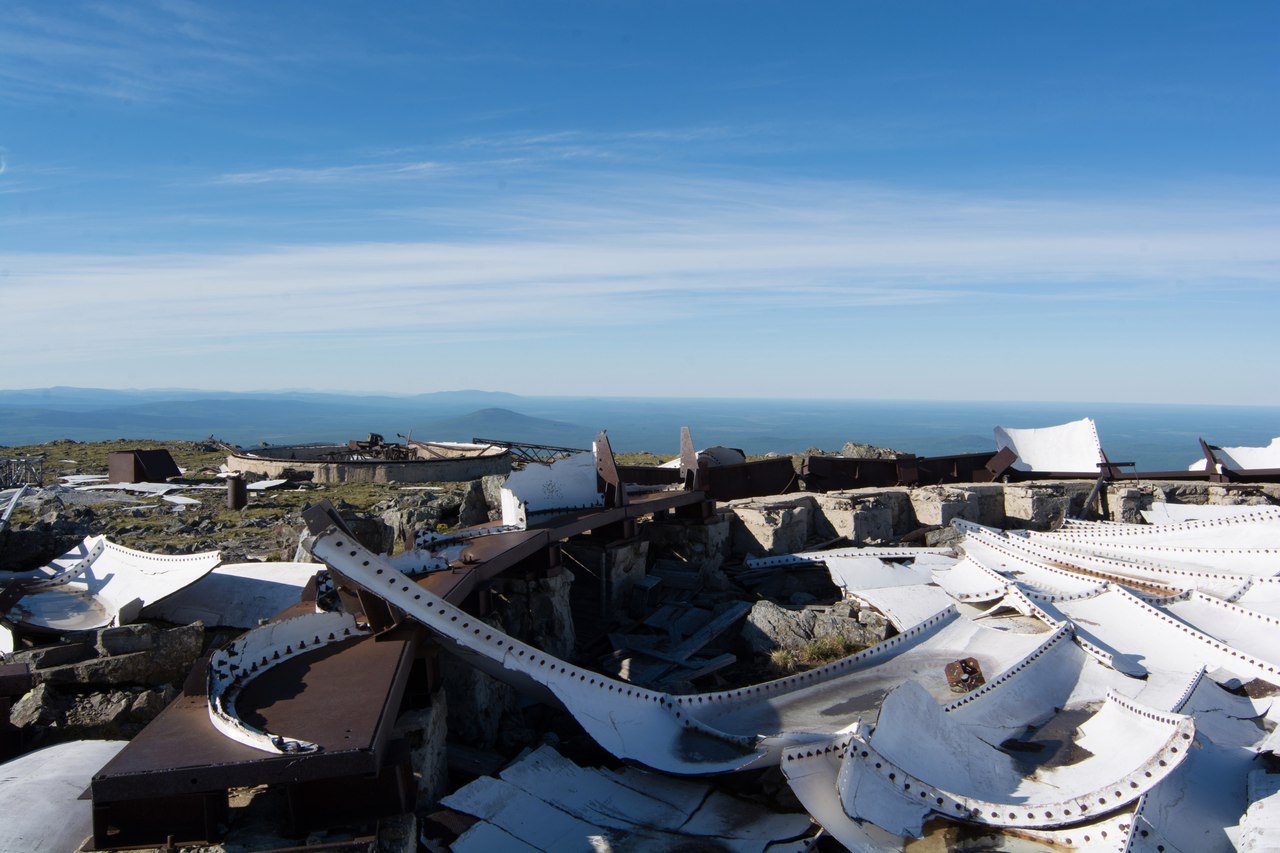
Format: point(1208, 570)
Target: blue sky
point(1029, 201)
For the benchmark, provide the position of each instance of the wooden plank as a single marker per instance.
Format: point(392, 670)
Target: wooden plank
point(710, 631)
point(703, 666)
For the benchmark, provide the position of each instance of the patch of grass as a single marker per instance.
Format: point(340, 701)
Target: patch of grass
point(642, 458)
point(90, 457)
point(821, 651)
point(150, 524)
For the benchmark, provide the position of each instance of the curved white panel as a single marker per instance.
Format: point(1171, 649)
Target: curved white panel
point(1067, 448)
point(99, 584)
point(926, 757)
point(255, 652)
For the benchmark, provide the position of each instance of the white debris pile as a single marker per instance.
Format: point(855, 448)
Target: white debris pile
point(1117, 691)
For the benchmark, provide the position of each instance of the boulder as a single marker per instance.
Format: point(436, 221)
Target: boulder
point(770, 627)
point(168, 661)
point(856, 450)
point(474, 508)
point(42, 706)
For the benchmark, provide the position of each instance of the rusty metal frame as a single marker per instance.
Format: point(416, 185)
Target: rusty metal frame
point(831, 473)
point(21, 470)
point(353, 692)
point(531, 452)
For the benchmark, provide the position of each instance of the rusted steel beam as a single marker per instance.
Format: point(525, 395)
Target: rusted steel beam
point(751, 479)
point(829, 473)
point(531, 452)
point(649, 475)
point(609, 479)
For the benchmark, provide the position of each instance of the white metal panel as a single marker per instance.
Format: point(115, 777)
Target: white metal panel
point(969, 580)
point(905, 606)
point(927, 756)
point(1257, 528)
point(250, 655)
point(1051, 566)
point(1162, 512)
point(855, 573)
point(1150, 639)
point(921, 654)
point(812, 772)
point(1260, 827)
point(99, 583)
point(807, 557)
point(1197, 804)
point(1000, 554)
point(1244, 458)
point(236, 595)
point(553, 804)
point(1262, 595)
point(565, 484)
point(1068, 448)
point(1254, 633)
point(40, 806)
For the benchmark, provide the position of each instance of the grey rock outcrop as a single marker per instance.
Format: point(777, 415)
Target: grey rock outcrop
point(769, 627)
point(162, 657)
point(857, 450)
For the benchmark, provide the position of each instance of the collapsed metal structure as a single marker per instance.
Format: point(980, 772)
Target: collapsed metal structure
point(1068, 451)
point(21, 470)
point(1122, 697)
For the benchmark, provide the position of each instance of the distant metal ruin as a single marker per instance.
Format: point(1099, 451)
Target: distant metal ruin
point(374, 461)
point(21, 471)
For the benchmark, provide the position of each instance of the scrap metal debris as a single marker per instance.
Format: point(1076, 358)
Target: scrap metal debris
point(97, 584)
point(1103, 686)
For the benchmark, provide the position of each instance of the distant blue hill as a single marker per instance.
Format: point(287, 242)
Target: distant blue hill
point(87, 414)
point(1156, 437)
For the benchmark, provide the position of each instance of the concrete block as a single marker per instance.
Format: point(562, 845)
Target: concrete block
point(770, 528)
point(610, 570)
point(703, 546)
point(1237, 494)
point(938, 505)
point(538, 611)
point(1034, 507)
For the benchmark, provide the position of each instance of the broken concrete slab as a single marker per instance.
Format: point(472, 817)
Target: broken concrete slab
point(771, 527)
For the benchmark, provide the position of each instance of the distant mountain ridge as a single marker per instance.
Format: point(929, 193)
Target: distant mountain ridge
point(40, 415)
point(1156, 437)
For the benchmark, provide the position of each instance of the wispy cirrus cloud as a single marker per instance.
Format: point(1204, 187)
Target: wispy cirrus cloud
point(354, 173)
point(515, 151)
point(616, 257)
point(151, 51)
point(567, 270)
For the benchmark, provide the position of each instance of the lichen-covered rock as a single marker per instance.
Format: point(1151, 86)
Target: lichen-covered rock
point(770, 627)
point(41, 706)
point(492, 486)
point(538, 613)
point(856, 450)
point(474, 508)
point(167, 662)
point(126, 639)
point(59, 528)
